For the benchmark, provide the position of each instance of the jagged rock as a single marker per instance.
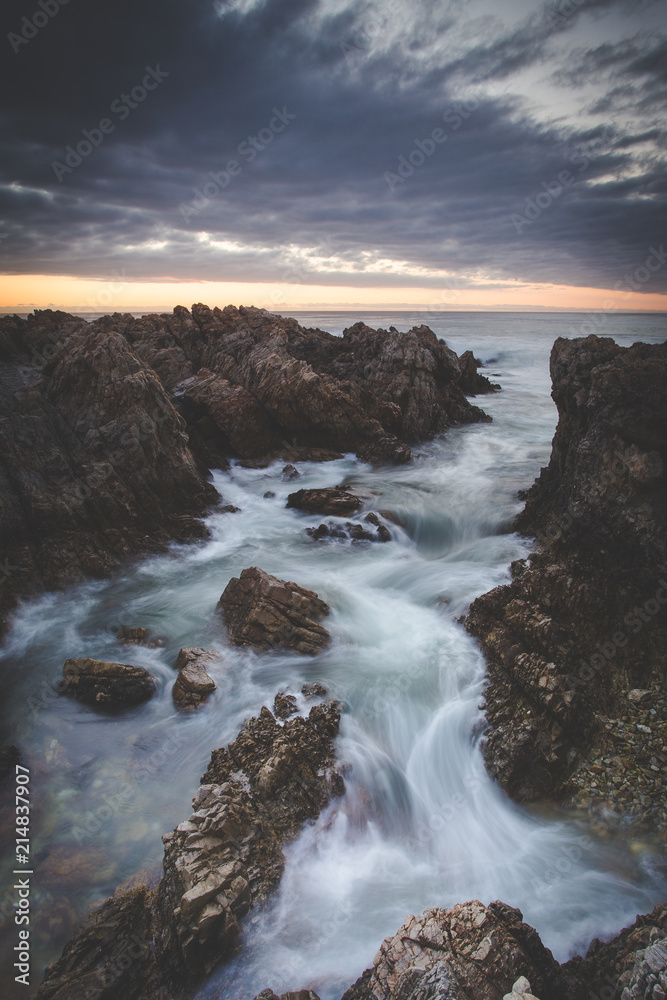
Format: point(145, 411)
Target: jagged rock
point(254, 796)
point(108, 685)
point(109, 956)
point(313, 690)
point(263, 611)
point(331, 500)
point(583, 621)
point(468, 952)
point(649, 976)
point(94, 459)
point(284, 705)
point(145, 944)
point(472, 382)
point(139, 637)
point(193, 684)
point(611, 966)
point(289, 473)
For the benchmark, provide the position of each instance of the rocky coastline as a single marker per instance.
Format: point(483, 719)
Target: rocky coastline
point(108, 432)
point(108, 429)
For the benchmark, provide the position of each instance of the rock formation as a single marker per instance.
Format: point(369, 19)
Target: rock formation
point(108, 428)
point(468, 952)
point(106, 685)
point(193, 684)
point(260, 610)
point(257, 793)
point(575, 645)
point(330, 500)
point(94, 459)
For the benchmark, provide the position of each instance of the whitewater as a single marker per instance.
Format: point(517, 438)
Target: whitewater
point(421, 824)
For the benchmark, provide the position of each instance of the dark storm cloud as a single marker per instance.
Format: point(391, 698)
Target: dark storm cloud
point(342, 98)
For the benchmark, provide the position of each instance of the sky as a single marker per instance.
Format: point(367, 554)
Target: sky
point(302, 154)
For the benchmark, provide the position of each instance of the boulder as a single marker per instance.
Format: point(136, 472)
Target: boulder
point(575, 644)
point(107, 685)
point(330, 500)
point(262, 611)
point(468, 952)
point(289, 473)
point(193, 684)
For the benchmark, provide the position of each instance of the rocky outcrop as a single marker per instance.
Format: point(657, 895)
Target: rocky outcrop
point(106, 685)
point(107, 429)
point(329, 500)
point(472, 383)
point(575, 645)
point(255, 796)
point(94, 459)
point(468, 952)
point(262, 611)
point(628, 966)
point(193, 685)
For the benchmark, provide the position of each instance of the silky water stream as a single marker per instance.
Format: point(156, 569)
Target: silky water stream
point(421, 824)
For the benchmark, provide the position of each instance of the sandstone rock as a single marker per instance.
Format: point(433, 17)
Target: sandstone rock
point(262, 611)
point(468, 952)
point(108, 685)
point(331, 500)
point(193, 684)
point(583, 620)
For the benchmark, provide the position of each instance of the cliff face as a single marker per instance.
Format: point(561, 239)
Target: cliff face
point(94, 459)
point(576, 643)
point(107, 429)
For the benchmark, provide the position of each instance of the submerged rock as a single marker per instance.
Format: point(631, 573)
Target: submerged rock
point(284, 705)
point(575, 645)
point(193, 684)
point(262, 611)
point(130, 636)
point(104, 684)
point(352, 531)
point(289, 473)
point(330, 500)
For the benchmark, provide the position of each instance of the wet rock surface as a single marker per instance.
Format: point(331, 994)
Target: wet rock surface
point(468, 952)
point(106, 685)
point(583, 624)
point(330, 500)
point(262, 611)
point(255, 796)
point(107, 429)
point(193, 685)
point(370, 530)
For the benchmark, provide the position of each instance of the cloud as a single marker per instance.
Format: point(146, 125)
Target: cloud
point(368, 86)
